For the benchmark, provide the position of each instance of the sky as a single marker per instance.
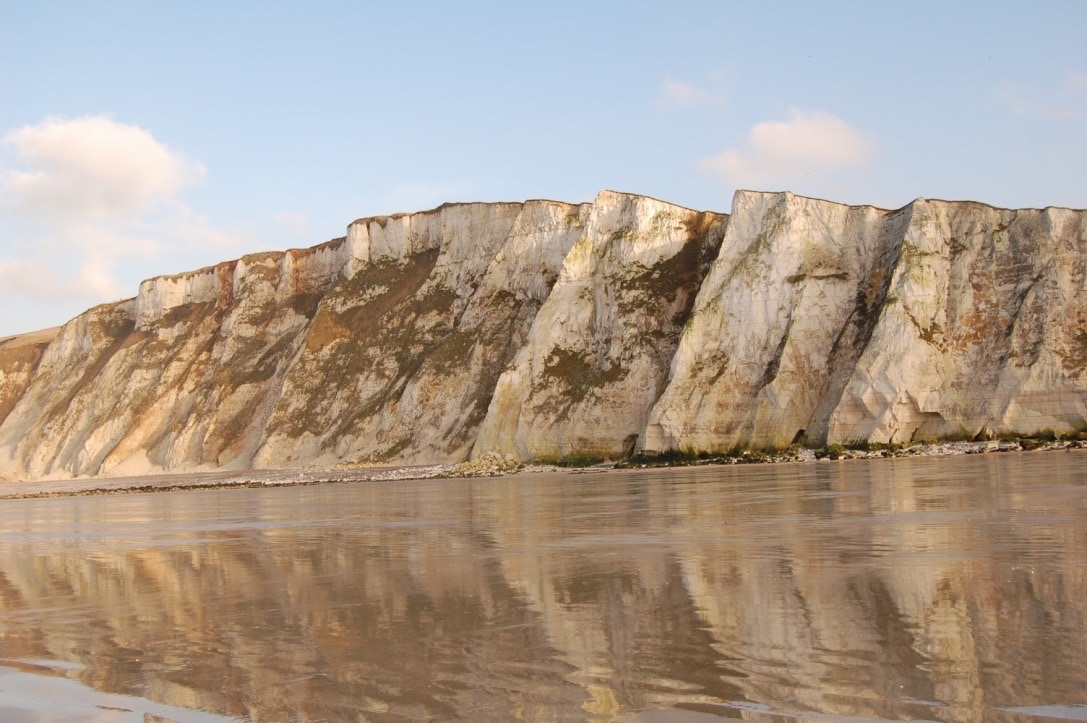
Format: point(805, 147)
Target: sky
point(146, 138)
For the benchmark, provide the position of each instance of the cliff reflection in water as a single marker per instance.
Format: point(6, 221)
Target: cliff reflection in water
point(938, 588)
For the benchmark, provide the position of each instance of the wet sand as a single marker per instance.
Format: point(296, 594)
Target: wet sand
point(171, 482)
point(921, 588)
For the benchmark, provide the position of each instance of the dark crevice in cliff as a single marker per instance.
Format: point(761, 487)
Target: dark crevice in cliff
point(854, 336)
point(774, 364)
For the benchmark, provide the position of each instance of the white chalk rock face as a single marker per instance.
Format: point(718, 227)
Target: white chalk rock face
point(546, 330)
point(827, 323)
point(400, 361)
point(598, 353)
point(52, 422)
point(188, 389)
point(19, 359)
point(984, 329)
point(789, 302)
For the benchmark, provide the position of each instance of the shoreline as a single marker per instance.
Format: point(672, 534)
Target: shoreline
point(492, 466)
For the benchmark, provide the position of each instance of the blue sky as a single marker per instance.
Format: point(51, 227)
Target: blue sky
point(142, 138)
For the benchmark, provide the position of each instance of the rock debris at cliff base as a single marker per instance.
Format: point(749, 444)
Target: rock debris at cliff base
point(548, 332)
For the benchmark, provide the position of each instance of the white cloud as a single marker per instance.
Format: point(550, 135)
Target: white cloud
point(679, 94)
point(85, 196)
point(92, 167)
point(781, 152)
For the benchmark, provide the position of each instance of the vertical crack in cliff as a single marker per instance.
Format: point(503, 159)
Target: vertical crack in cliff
point(773, 365)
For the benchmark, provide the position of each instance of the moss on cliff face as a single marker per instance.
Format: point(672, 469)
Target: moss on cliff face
point(571, 377)
point(361, 344)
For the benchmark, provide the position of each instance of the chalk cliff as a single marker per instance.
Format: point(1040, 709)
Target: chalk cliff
point(545, 330)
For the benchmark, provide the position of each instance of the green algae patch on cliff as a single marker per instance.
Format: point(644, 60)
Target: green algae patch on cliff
point(572, 377)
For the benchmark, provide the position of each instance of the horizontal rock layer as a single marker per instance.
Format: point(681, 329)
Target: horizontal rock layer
point(546, 330)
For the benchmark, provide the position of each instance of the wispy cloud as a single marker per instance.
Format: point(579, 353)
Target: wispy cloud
point(681, 94)
point(780, 152)
point(85, 194)
point(1048, 101)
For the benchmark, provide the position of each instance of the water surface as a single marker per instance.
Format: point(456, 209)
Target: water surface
point(924, 588)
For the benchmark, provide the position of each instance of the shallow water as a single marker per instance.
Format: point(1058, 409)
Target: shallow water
point(926, 588)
